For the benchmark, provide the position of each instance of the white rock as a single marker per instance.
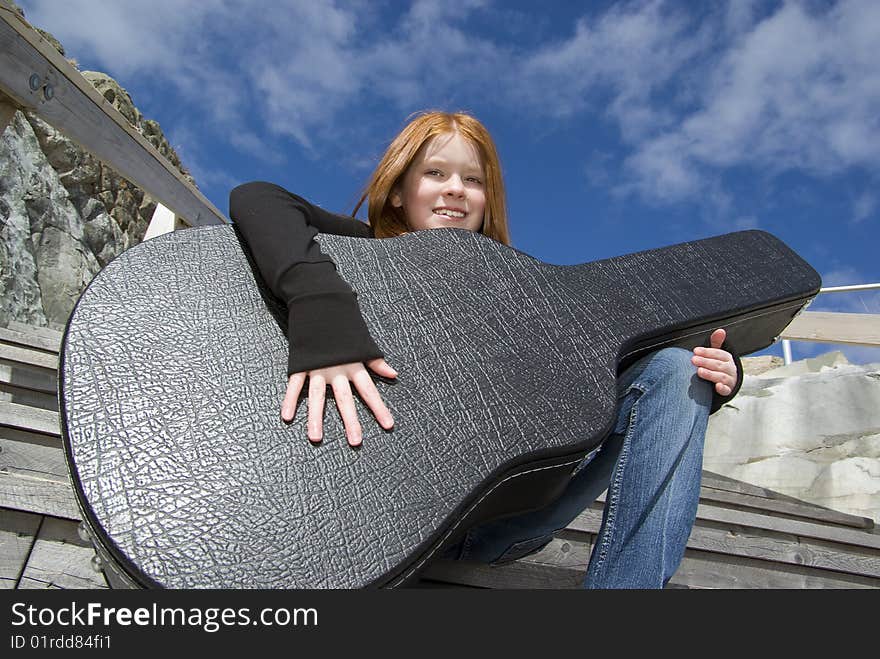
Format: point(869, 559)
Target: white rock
point(810, 430)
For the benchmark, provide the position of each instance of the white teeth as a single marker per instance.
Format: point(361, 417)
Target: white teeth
point(450, 213)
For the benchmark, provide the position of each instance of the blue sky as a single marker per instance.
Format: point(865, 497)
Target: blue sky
point(621, 126)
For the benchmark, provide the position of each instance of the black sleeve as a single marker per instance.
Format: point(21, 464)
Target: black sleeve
point(719, 401)
point(325, 326)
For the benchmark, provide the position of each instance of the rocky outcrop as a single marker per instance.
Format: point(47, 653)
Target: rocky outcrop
point(64, 213)
point(44, 260)
point(810, 430)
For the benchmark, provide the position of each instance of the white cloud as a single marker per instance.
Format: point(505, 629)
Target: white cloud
point(298, 66)
point(864, 206)
point(798, 91)
point(692, 94)
point(622, 58)
point(133, 36)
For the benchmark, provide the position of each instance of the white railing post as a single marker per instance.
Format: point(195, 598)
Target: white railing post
point(786, 350)
point(163, 221)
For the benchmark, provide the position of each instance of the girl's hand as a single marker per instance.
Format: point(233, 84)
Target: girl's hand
point(716, 365)
point(340, 378)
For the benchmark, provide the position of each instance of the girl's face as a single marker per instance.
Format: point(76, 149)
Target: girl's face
point(443, 186)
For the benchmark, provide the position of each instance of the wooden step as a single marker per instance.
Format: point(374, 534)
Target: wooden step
point(17, 356)
point(31, 419)
point(44, 552)
point(51, 336)
point(30, 339)
point(761, 540)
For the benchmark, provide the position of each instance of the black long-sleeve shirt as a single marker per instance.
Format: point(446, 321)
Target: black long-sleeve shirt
point(325, 325)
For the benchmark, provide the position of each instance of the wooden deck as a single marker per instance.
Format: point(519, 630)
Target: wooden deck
point(745, 536)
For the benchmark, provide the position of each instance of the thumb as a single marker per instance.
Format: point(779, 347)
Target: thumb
point(380, 367)
point(717, 338)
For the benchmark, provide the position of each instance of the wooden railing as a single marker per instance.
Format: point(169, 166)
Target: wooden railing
point(35, 77)
point(854, 329)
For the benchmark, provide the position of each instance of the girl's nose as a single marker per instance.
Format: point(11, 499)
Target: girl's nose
point(455, 186)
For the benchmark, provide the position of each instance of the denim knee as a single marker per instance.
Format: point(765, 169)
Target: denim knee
point(672, 371)
point(674, 362)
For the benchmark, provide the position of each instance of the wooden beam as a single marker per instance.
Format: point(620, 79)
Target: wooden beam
point(793, 527)
point(7, 111)
point(858, 329)
point(792, 508)
point(709, 570)
point(36, 77)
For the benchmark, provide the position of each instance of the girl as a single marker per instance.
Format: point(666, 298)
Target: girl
point(443, 170)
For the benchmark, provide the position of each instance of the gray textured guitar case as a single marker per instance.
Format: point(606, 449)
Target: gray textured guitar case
point(173, 367)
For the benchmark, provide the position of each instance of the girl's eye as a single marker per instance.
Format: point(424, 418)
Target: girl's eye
point(433, 172)
point(474, 179)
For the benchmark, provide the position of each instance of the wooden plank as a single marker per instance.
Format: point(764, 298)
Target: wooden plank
point(36, 387)
point(793, 509)
point(790, 526)
point(31, 339)
point(569, 549)
point(37, 331)
point(743, 496)
point(16, 356)
point(720, 482)
point(756, 543)
point(750, 543)
point(18, 531)
point(707, 570)
point(33, 460)
point(857, 329)
point(699, 569)
point(34, 380)
point(60, 559)
point(27, 437)
point(512, 575)
point(587, 522)
point(27, 396)
point(79, 111)
point(29, 418)
point(38, 495)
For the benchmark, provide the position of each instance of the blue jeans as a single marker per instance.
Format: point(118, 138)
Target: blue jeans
point(651, 465)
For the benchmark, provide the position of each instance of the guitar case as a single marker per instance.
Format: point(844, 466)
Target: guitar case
point(173, 368)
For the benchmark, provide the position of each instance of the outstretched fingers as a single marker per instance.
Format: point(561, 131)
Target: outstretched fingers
point(366, 388)
point(294, 387)
point(345, 405)
point(317, 392)
point(340, 378)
